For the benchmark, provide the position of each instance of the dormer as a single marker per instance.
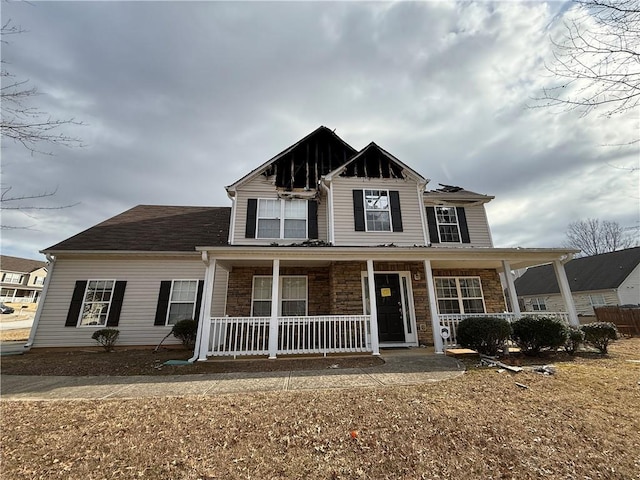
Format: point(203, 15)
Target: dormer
point(280, 201)
point(456, 217)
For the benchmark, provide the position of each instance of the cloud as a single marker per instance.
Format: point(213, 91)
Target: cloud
point(182, 98)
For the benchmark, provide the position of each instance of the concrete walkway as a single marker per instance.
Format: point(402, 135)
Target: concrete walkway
point(402, 367)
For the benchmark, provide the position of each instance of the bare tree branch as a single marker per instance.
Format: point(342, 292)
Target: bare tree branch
point(593, 236)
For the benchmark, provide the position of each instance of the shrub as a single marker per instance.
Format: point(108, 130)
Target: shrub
point(599, 334)
point(106, 337)
point(186, 331)
point(575, 338)
point(535, 334)
point(483, 334)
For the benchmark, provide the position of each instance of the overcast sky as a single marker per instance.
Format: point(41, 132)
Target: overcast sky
point(180, 99)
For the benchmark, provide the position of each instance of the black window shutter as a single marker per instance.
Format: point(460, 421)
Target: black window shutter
point(462, 221)
point(252, 212)
point(433, 225)
point(199, 300)
point(312, 215)
point(116, 304)
point(76, 304)
point(163, 303)
point(358, 210)
point(396, 216)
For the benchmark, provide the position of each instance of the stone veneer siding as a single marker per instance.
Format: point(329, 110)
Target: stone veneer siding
point(337, 290)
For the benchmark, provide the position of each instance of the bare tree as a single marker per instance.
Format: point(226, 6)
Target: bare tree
point(593, 236)
point(29, 127)
point(597, 60)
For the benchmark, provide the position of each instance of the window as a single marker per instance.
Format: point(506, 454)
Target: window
point(448, 227)
point(597, 300)
point(12, 278)
point(96, 303)
point(293, 296)
point(538, 304)
point(182, 301)
point(282, 218)
point(377, 210)
point(459, 295)
point(38, 281)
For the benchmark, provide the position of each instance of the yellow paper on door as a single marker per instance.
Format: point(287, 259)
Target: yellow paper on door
point(385, 292)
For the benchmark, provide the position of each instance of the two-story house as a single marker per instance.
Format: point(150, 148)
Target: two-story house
point(324, 249)
point(21, 279)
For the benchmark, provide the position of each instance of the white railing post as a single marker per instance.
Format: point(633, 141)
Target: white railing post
point(565, 290)
point(511, 288)
point(373, 308)
point(273, 322)
point(433, 307)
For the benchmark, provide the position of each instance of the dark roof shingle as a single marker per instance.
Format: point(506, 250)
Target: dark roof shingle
point(154, 228)
point(19, 265)
point(598, 272)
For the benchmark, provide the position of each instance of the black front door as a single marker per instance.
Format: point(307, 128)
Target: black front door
point(389, 305)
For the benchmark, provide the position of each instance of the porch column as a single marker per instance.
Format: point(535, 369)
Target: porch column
point(373, 308)
point(565, 290)
point(511, 288)
point(273, 323)
point(204, 320)
point(433, 308)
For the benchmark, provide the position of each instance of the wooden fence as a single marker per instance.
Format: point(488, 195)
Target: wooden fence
point(627, 319)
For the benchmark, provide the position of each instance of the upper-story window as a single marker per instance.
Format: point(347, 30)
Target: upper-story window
point(38, 281)
point(12, 278)
point(281, 218)
point(448, 227)
point(377, 210)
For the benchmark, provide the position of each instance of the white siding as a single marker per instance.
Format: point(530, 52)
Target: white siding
point(629, 290)
point(581, 300)
point(410, 205)
point(478, 226)
point(261, 187)
point(143, 276)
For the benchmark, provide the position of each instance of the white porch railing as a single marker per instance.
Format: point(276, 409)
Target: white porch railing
point(233, 336)
point(451, 321)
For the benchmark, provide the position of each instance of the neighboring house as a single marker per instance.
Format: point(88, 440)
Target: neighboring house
point(21, 279)
point(324, 249)
point(606, 279)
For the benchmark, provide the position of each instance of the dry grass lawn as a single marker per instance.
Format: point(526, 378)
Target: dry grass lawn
point(582, 423)
point(19, 334)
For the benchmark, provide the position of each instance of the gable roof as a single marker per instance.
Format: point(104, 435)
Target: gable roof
point(19, 265)
point(303, 163)
point(598, 272)
point(153, 228)
point(374, 161)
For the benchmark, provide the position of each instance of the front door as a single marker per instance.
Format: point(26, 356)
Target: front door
point(389, 305)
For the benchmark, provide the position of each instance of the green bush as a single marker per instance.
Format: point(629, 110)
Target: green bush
point(106, 337)
point(536, 334)
point(575, 338)
point(599, 334)
point(483, 334)
point(186, 331)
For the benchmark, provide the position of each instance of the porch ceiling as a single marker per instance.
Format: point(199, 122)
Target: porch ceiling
point(441, 258)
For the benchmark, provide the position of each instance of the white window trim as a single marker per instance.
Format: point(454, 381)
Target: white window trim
point(282, 277)
point(388, 209)
point(601, 295)
point(84, 302)
point(13, 275)
point(460, 298)
point(538, 301)
point(282, 218)
point(457, 224)
point(195, 300)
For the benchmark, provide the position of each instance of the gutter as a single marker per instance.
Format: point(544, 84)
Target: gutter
point(36, 320)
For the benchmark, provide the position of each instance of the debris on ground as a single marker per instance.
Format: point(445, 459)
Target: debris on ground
point(522, 386)
point(492, 362)
point(545, 369)
point(335, 365)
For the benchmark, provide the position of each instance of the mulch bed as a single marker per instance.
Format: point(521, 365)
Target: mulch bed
point(148, 362)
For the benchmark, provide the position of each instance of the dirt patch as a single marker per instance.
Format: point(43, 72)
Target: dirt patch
point(582, 422)
point(147, 362)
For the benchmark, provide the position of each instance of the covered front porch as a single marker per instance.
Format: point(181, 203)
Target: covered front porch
point(323, 305)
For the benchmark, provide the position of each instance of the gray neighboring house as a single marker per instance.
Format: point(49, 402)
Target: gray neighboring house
point(606, 279)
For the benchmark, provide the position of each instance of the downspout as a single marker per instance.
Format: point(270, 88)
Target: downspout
point(329, 211)
point(36, 319)
point(421, 186)
point(232, 226)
